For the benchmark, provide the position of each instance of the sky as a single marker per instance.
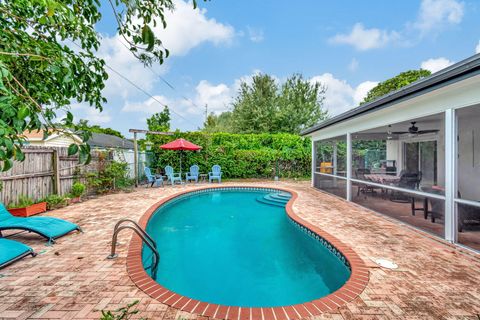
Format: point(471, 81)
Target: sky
point(348, 46)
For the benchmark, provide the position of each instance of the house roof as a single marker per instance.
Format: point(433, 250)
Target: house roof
point(102, 140)
point(38, 135)
point(459, 71)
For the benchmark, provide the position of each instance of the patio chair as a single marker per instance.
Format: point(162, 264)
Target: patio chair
point(172, 176)
point(11, 251)
point(193, 174)
point(152, 179)
point(215, 174)
point(408, 180)
point(48, 227)
point(362, 187)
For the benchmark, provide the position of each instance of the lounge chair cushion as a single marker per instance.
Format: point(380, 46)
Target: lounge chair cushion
point(48, 227)
point(11, 250)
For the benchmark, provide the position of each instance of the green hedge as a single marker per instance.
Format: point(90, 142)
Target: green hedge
point(240, 155)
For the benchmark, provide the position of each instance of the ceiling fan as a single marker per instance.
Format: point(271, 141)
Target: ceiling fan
point(414, 130)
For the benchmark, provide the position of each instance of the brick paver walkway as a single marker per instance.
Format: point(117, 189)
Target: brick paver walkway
point(74, 280)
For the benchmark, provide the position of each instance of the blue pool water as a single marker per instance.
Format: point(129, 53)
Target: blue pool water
point(226, 247)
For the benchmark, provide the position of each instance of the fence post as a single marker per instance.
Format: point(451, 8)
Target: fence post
point(56, 171)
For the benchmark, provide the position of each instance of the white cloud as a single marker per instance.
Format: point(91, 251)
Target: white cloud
point(364, 39)
point(149, 106)
point(91, 114)
point(255, 35)
point(353, 65)
point(435, 14)
point(188, 28)
point(362, 90)
point(434, 65)
point(217, 97)
point(340, 95)
point(477, 48)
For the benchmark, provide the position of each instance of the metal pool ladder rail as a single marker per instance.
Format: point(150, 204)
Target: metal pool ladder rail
point(142, 234)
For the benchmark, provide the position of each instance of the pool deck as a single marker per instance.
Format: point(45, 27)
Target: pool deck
point(74, 280)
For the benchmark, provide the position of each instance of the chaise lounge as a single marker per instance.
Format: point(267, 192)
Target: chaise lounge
point(11, 251)
point(48, 227)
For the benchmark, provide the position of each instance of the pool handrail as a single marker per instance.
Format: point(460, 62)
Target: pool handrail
point(142, 234)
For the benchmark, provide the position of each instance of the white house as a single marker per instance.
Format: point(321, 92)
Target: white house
point(60, 138)
point(413, 154)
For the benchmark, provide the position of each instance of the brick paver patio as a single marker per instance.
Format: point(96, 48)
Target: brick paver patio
point(74, 280)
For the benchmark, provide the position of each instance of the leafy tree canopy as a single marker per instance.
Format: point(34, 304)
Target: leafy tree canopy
point(159, 121)
point(218, 123)
point(264, 106)
point(395, 83)
point(47, 60)
point(83, 125)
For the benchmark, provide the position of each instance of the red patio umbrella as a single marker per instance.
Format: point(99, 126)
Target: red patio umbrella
point(181, 145)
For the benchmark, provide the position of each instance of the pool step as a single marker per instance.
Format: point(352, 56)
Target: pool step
point(276, 199)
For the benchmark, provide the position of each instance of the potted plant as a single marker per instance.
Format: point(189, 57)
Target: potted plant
point(78, 189)
point(26, 206)
point(55, 201)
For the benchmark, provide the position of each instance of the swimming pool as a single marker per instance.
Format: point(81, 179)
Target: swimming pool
point(223, 246)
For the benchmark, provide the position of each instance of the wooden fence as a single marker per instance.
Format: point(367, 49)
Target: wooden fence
point(45, 171)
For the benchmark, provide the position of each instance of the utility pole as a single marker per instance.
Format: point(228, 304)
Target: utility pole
point(206, 112)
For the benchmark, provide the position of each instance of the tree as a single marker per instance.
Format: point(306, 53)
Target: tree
point(395, 83)
point(254, 107)
point(83, 125)
point(218, 123)
point(300, 105)
point(159, 121)
point(47, 59)
point(265, 107)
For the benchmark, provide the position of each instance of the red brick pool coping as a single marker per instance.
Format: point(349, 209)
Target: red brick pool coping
point(348, 292)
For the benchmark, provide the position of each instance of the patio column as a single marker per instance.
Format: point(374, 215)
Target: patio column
point(450, 175)
point(349, 166)
point(334, 162)
point(314, 160)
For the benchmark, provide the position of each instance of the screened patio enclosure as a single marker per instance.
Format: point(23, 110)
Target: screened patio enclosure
point(413, 155)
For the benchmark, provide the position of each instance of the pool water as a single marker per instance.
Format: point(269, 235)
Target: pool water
point(225, 247)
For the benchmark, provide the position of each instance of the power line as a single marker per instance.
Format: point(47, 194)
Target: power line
point(146, 93)
point(164, 80)
point(140, 89)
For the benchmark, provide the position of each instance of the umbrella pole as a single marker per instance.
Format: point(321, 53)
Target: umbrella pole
point(181, 156)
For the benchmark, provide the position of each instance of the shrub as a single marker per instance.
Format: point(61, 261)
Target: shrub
point(55, 201)
point(78, 189)
point(22, 202)
point(113, 175)
point(240, 155)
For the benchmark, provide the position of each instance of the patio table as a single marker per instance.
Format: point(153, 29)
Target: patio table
point(382, 178)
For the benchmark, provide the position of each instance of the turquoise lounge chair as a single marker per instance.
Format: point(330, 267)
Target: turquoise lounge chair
point(215, 174)
point(193, 174)
point(152, 179)
point(172, 176)
point(48, 227)
point(11, 251)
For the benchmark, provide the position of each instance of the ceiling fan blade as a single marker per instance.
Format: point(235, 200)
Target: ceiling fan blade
point(399, 132)
point(427, 131)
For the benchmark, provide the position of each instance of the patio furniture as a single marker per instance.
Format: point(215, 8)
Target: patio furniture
point(382, 178)
point(193, 174)
point(203, 177)
point(11, 251)
point(408, 180)
point(152, 179)
point(172, 176)
point(48, 227)
point(215, 174)
point(361, 174)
